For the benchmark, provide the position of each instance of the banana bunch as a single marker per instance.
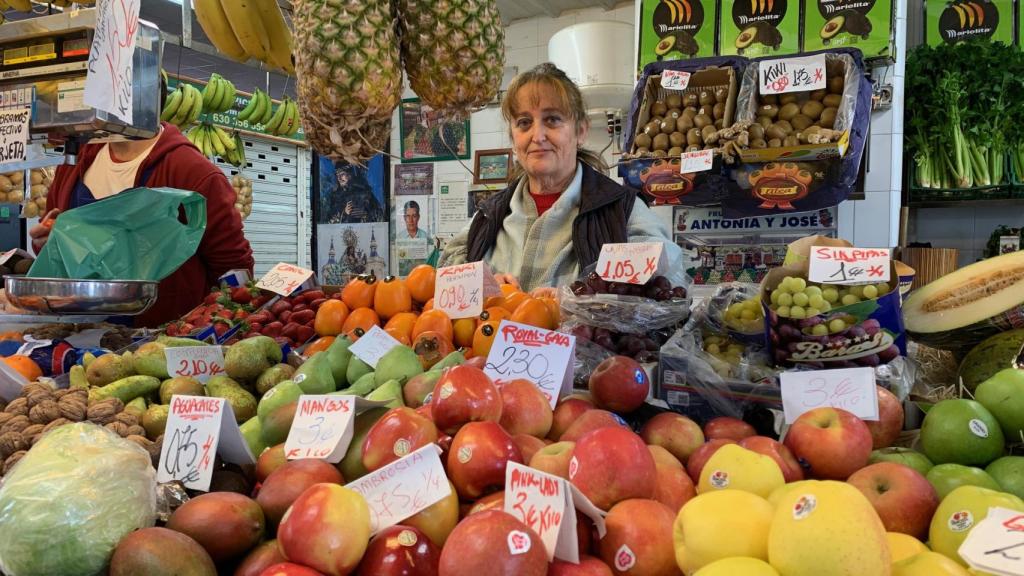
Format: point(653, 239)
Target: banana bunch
point(259, 110)
point(219, 94)
point(285, 121)
point(236, 155)
point(211, 140)
point(243, 29)
point(183, 106)
point(19, 5)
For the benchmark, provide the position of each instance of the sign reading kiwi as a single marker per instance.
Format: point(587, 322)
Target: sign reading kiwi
point(760, 28)
point(677, 30)
point(862, 24)
point(952, 22)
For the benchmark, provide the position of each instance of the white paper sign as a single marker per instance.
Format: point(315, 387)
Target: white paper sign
point(404, 487)
point(284, 279)
point(852, 389)
point(839, 265)
point(322, 428)
point(541, 356)
point(543, 502)
point(675, 79)
point(699, 161)
point(632, 263)
point(199, 428)
point(14, 133)
point(199, 362)
point(372, 345)
point(996, 544)
point(460, 290)
point(792, 74)
point(108, 85)
point(452, 202)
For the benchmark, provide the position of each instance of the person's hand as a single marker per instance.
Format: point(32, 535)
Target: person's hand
point(40, 233)
point(348, 207)
point(545, 292)
point(507, 279)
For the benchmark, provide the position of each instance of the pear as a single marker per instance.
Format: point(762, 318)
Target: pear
point(339, 356)
point(245, 360)
point(453, 359)
point(356, 369)
point(155, 420)
point(272, 376)
point(243, 403)
point(182, 386)
point(390, 392)
point(361, 387)
point(733, 467)
point(108, 368)
point(400, 363)
point(150, 360)
point(314, 376)
point(285, 392)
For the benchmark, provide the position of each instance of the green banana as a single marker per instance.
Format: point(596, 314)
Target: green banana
point(171, 106)
point(198, 108)
point(249, 108)
point(268, 109)
point(261, 104)
point(210, 92)
point(228, 99)
point(275, 121)
point(185, 108)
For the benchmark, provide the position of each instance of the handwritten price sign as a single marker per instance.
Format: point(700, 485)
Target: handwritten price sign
point(852, 389)
point(699, 161)
point(199, 362)
point(284, 279)
point(199, 428)
point(675, 79)
point(372, 345)
point(995, 544)
point(14, 133)
point(792, 74)
point(322, 428)
point(541, 356)
point(840, 265)
point(108, 85)
point(404, 487)
point(631, 263)
point(460, 290)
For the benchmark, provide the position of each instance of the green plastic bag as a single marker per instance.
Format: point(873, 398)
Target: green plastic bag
point(134, 235)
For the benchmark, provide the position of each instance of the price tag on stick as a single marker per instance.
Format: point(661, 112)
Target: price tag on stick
point(633, 263)
point(322, 428)
point(843, 265)
point(792, 74)
point(541, 356)
point(460, 290)
point(852, 389)
point(199, 428)
point(284, 279)
point(199, 362)
point(404, 487)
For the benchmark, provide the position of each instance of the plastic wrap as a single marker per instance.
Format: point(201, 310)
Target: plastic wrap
point(726, 314)
point(70, 500)
point(620, 312)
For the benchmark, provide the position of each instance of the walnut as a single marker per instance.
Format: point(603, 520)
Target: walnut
point(127, 418)
point(16, 424)
point(32, 430)
point(3, 405)
point(5, 417)
point(11, 442)
point(72, 408)
point(119, 427)
point(37, 397)
point(139, 439)
point(78, 394)
point(103, 412)
point(36, 388)
point(18, 406)
point(114, 404)
point(61, 393)
point(12, 460)
point(136, 430)
point(44, 412)
point(55, 423)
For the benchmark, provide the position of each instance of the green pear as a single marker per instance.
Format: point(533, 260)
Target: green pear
point(356, 369)
point(314, 376)
point(390, 392)
point(107, 369)
point(182, 386)
point(285, 392)
point(155, 420)
point(246, 360)
point(452, 360)
point(150, 360)
point(174, 342)
point(338, 355)
point(1003, 395)
point(243, 403)
point(400, 363)
point(272, 376)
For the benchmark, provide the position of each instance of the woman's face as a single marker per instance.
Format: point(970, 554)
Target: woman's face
point(545, 137)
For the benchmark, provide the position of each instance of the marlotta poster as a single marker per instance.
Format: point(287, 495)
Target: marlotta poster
point(347, 250)
point(351, 194)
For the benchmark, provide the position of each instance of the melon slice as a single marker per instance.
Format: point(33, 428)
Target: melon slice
point(964, 307)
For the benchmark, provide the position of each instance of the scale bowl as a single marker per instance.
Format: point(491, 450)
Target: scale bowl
point(83, 297)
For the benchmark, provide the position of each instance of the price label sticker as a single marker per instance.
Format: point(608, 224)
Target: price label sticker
point(322, 428)
point(996, 544)
point(541, 356)
point(698, 161)
point(841, 265)
point(199, 428)
point(792, 74)
point(675, 79)
point(543, 502)
point(14, 133)
point(284, 279)
point(372, 345)
point(460, 290)
point(852, 389)
point(633, 263)
point(404, 487)
point(199, 362)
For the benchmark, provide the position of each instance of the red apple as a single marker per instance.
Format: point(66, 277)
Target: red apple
point(610, 465)
point(398, 433)
point(289, 481)
point(663, 457)
point(327, 528)
point(588, 566)
point(832, 441)
point(554, 459)
point(289, 569)
point(476, 362)
point(728, 428)
point(675, 433)
point(567, 411)
point(903, 498)
point(425, 411)
point(494, 501)
point(525, 409)
point(400, 551)
point(271, 459)
point(528, 445)
point(702, 454)
point(477, 459)
point(419, 387)
point(639, 539)
point(464, 394)
point(673, 487)
point(887, 428)
point(619, 384)
point(496, 544)
point(589, 421)
point(777, 451)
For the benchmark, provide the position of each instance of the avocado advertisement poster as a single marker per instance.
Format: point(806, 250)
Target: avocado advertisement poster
point(862, 24)
point(959, 20)
point(754, 28)
point(676, 30)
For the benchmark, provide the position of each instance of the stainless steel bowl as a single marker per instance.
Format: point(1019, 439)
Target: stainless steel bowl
point(92, 297)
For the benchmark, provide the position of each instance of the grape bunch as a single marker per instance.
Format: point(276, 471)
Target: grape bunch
point(832, 333)
point(746, 316)
point(725, 349)
point(640, 347)
point(657, 288)
point(796, 298)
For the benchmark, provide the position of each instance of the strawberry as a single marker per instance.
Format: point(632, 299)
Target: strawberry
point(260, 300)
point(285, 316)
point(315, 304)
point(273, 329)
point(244, 294)
point(262, 317)
point(302, 316)
point(241, 314)
point(255, 327)
point(304, 334)
point(291, 330)
point(221, 326)
point(212, 297)
point(282, 341)
point(309, 296)
point(336, 296)
point(227, 314)
point(299, 308)
point(280, 306)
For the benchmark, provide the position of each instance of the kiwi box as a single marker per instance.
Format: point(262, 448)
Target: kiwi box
point(866, 26)
point(760, 27)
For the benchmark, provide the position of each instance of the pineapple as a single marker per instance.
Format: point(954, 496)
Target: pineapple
point(453, 52)
point(349, 77)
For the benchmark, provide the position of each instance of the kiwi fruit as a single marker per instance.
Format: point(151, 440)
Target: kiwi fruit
point(674, 101)
point(819, 95)
point(677, 139)
point(691, 100)
point(652, 129)
point(718, 111)
point(832, 101)
point(774, 132)
point(708, 111)
point(791, 140)
point(658, 108)
point(720, 123)
point(756, 132)
point(702, 120)
point(659, 154)
point(675, 151)
point(693, 148)
point(800, 122)
point(835, 85)
point(789, 110)
point(668, 126)
point(721, 95)
point(707, 132)
point(785, 126)
point(764, 121)
point(657, 120)
point(706, 98)
point(643, 151)
point(768, 110)
point(770, 99)
point(758, 143)
point(693, 137)
point(642, 141)
point(689, 111)
point(660, 142)
point(775, 143)
point(787, 99)
point(812, 109)
point(828, 118)
point(673, 113)
point(684, 123)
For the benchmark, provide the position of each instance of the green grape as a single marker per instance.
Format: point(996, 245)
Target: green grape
point(797, 284)
point(785, 299)
point(819, 330)
point(812, 312)
point(857, 291)
point(813, 290)
point(836, 325)
point(800, 299)
point(753, 304)
point(734, 309)
point(850, 299)
point(883, 288)
point(748, 315)
point(830, 295)
point(869, 292)
point(797, 312)
point(775, 296)
point(817, 301)
point(825, 307)
point(783, 311)
point(713, 349)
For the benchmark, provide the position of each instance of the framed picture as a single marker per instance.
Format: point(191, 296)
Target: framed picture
point(428, 137)
point(492, 166)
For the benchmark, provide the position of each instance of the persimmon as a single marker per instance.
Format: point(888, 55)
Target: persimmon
point(392, 297)
point(319, 345)
point(428, 305)
point(507, 289)
point(420, 282)
point(24, 366)
point(359, 322)
point(359, 292)
point(494, 301)
point(553, 308)
point(463, 330)
point(433, 321)
point(513, 300)
point(484, 338)
point(497, 313)
point(400, 326)
point(330, 318)
point(533, 312)
point(431, 347)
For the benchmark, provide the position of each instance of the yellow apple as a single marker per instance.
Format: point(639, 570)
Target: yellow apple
point(439, 519)
point(827, 528)
point(903, 546)
point(721, 524)
point(733, 467)
point(738, 566)
point(960, 511)
point(781, 491)
point(928, 564)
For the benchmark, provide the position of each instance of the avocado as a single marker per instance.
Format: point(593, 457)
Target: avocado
point(746, 38)
point(833, 27)
point(768, 35)
point(665, 46)
point(856, 23)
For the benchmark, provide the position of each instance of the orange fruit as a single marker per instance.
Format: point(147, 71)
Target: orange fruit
point(533, 312)
point(433, 321)
point(463, 329)
point(12, 335)
point(420, 282)
point(507, 289)
point(431, 347)
point(358, 293)
point(400, 326)
point(553, 308)
point(496, 313)
point(359, 322)
point(513, 300)
point(484, 338)
point(24, 366)
point(392, 297)
point(330, 318)
point(319, 345)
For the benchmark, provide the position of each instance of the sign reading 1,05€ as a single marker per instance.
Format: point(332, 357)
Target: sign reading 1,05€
point(632, 263)
point(284, 279)
point(229, 119)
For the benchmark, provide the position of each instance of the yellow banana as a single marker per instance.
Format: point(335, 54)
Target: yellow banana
point(20, 5)
point(672, 10)
point(280, 53)
point(248, 27)
point(185, 108)
point(275, 121)
point(225, 139)
point(218, 146)
point(217, 28)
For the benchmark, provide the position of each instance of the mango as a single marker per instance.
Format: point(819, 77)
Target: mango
point(275, 427)
point(339, 356)
point(260, 558)
point(456, 358)
point(285, 392)
point(351, 466)
point(226, 524)
point(160, 552)
point(356, 369)
point(390, 392)
point(251, 431)
point(361, 387)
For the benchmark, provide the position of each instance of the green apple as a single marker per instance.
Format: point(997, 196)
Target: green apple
point(963, 432)
point(905, 456)
point(960, 511)
point(1003, 395)
point(1008, 471)
point(947, 477)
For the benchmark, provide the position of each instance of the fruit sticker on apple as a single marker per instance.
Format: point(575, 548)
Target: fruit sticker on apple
point(404, 487)
point(632, 263)
point(373, 345)
point(994, 544)
point(460, 290)
point(852, 389)
point(541, 356)
point(198, 429)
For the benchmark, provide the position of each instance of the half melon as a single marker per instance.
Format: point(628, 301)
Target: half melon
point(962, 308)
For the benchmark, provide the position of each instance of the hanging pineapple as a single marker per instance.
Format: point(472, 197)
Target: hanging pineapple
point(453, 52)
point(349, 77)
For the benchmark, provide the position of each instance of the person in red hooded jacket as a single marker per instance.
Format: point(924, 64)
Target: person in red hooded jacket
point(166, 160)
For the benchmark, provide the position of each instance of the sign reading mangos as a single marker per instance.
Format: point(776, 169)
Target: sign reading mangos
point(755, 28)
point(676, 30)
point(862, 24)
point(952, 22)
